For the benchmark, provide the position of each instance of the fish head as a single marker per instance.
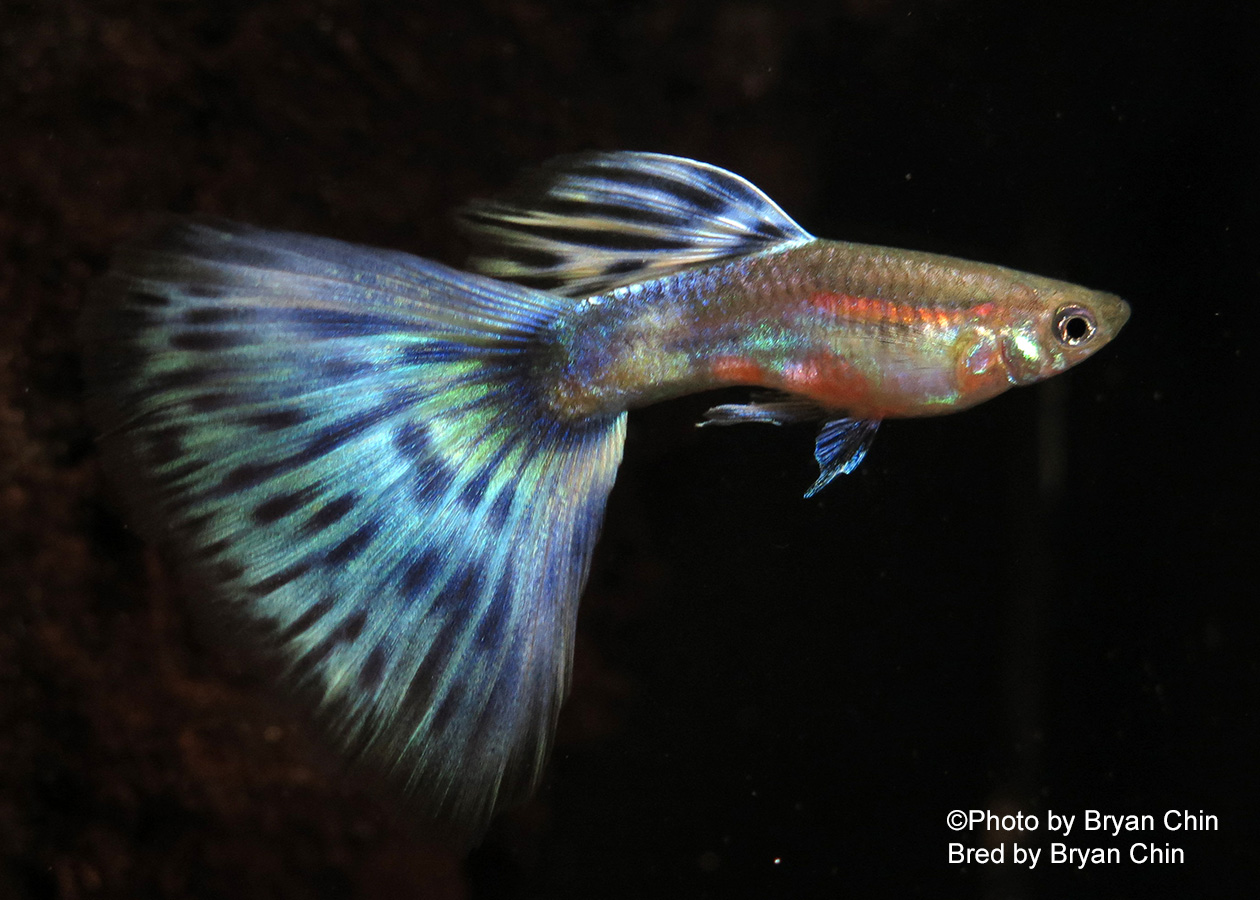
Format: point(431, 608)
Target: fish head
point(1060, 326)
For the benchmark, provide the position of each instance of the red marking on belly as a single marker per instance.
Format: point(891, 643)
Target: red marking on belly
point(737, 370)
point(830, 380)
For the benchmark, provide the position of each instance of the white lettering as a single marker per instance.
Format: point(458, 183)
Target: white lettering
point(1082, 856)
point(1183, 820)
point(1026, 856)
point(960, 855)
point(1096, 821)
point(993, 822)
point(1149, 853)
point(1057, 822)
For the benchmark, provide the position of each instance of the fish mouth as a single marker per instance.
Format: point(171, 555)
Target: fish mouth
point(1122, 313)
point(1111, 313)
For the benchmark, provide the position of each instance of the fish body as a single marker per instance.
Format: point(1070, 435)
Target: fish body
point(874, 332)
point(400, 469)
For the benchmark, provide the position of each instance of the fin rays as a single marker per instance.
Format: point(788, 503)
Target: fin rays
point(585, 224)
point(347, 446)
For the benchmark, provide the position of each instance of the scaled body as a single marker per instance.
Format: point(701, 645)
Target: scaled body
point(871, 331)
point(400, 469)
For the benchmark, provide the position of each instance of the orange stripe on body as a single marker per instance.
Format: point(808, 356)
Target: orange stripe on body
point(873, 310)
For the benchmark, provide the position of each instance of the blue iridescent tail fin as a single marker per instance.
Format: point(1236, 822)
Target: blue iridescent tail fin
point(346, 445)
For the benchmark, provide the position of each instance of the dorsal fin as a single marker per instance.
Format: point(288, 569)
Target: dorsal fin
point(584, 224)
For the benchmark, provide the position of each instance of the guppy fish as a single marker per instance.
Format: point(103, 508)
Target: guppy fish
point(399, 469)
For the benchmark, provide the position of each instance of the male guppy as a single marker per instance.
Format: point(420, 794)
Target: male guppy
point(401, 469)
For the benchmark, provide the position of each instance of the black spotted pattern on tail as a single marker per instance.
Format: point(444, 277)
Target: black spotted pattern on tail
point(344, 443)
point(582, 225)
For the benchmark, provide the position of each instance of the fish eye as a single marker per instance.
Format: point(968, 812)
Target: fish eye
point(1074, 325)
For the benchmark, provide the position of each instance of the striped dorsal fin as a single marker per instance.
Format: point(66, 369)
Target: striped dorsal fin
point(585, 224)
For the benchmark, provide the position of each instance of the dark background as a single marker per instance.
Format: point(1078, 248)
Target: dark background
point(1046, 603)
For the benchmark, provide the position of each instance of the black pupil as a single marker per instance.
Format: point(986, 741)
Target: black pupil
point(1075, 328)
